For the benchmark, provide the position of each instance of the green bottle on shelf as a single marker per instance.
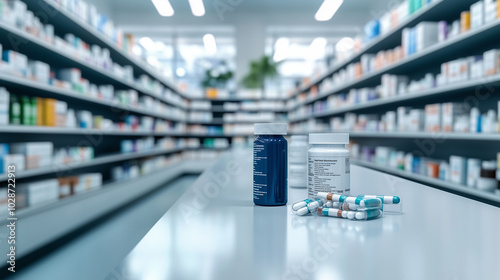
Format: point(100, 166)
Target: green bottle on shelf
point(34, 114)
point(14, 111)
point(26, 110)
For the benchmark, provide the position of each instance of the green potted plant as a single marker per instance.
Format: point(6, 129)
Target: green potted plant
point(260, 70)
point(214, 80)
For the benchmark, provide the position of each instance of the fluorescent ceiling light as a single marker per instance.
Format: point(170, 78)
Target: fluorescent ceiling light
point(210, 45)
point(180, 72)
point(328, 9)
point(164, 8)
point(153, 61)
point(147, 43)
point(345, 44)
point(281, 49)
point(197, 7)
point(159, 46)
point(318, 44)
point(316, 49)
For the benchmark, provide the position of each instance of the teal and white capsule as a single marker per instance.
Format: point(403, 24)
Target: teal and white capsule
point(331, 212)
point(355, 207)
point(362, 202)
point(332, 197)
point(350, 207)
point(308, 208)
point(351, 215)
point(368, 214)
point(301, 204)
point(331, 204)
point(386, 199)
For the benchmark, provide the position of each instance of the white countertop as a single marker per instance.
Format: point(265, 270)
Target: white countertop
point(215, 231)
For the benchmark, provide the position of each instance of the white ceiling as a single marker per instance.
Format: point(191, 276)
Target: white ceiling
point(281, 16)
point(181, 7)
point(253, 25)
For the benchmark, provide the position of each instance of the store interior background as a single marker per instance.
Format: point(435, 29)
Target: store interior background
point(203, 62)
point(244, 31)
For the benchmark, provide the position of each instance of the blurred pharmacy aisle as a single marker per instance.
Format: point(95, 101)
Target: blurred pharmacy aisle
point(105, 102)
point(94, 253)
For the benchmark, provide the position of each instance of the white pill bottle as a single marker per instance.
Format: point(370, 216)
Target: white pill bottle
point(297, 161)
point(328, 164)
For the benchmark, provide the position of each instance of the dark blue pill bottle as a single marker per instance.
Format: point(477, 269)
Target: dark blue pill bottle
point(270, 164)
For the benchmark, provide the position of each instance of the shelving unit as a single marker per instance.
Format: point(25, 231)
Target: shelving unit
point(434, 11)
point(400, 99)
point(70, 23)
point(433, 55)
point(472, 42)
point(45, 90)
point(73, 212)
point(217, 110)
point(428, 135)
point(44, 51)
point(222, 122)
point(421, 135)
point(490, 198)
point(213, 122)
point(21, 129)
point(100, 160)
point(211, 135)
point(234, 99)
point(220, 109)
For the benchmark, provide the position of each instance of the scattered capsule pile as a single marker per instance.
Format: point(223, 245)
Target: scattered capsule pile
point(361, 207)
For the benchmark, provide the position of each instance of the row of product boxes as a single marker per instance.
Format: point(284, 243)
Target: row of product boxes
point(37, 111)
point(34, 155)
point(474, 173)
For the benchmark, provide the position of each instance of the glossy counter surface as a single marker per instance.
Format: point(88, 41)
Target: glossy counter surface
point(214, 231)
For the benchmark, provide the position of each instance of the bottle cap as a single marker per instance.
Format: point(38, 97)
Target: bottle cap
point(299, 138)
point(270, 129)
point(329, 138)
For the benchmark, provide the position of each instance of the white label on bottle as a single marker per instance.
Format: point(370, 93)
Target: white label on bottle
point(329, 174)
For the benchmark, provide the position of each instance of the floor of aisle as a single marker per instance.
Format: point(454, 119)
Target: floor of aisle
point(94, 254)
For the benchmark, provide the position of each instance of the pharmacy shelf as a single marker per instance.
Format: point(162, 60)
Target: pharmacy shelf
point(254, 121)
point(492, 81)
point(215, 122)
point(70, 23)
point(419, 135)
point(444, 185)
point(101, 160)
point(36, 48)
point(23, 129)
point(219, 122)
point(209, 135)
point(218, 149)
point(428, 135)
point(438, 53)
point(432, 12)
point(187, 167)
point(66, 215)
point(220, 109)
point(23, 83)
point(236, 99)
